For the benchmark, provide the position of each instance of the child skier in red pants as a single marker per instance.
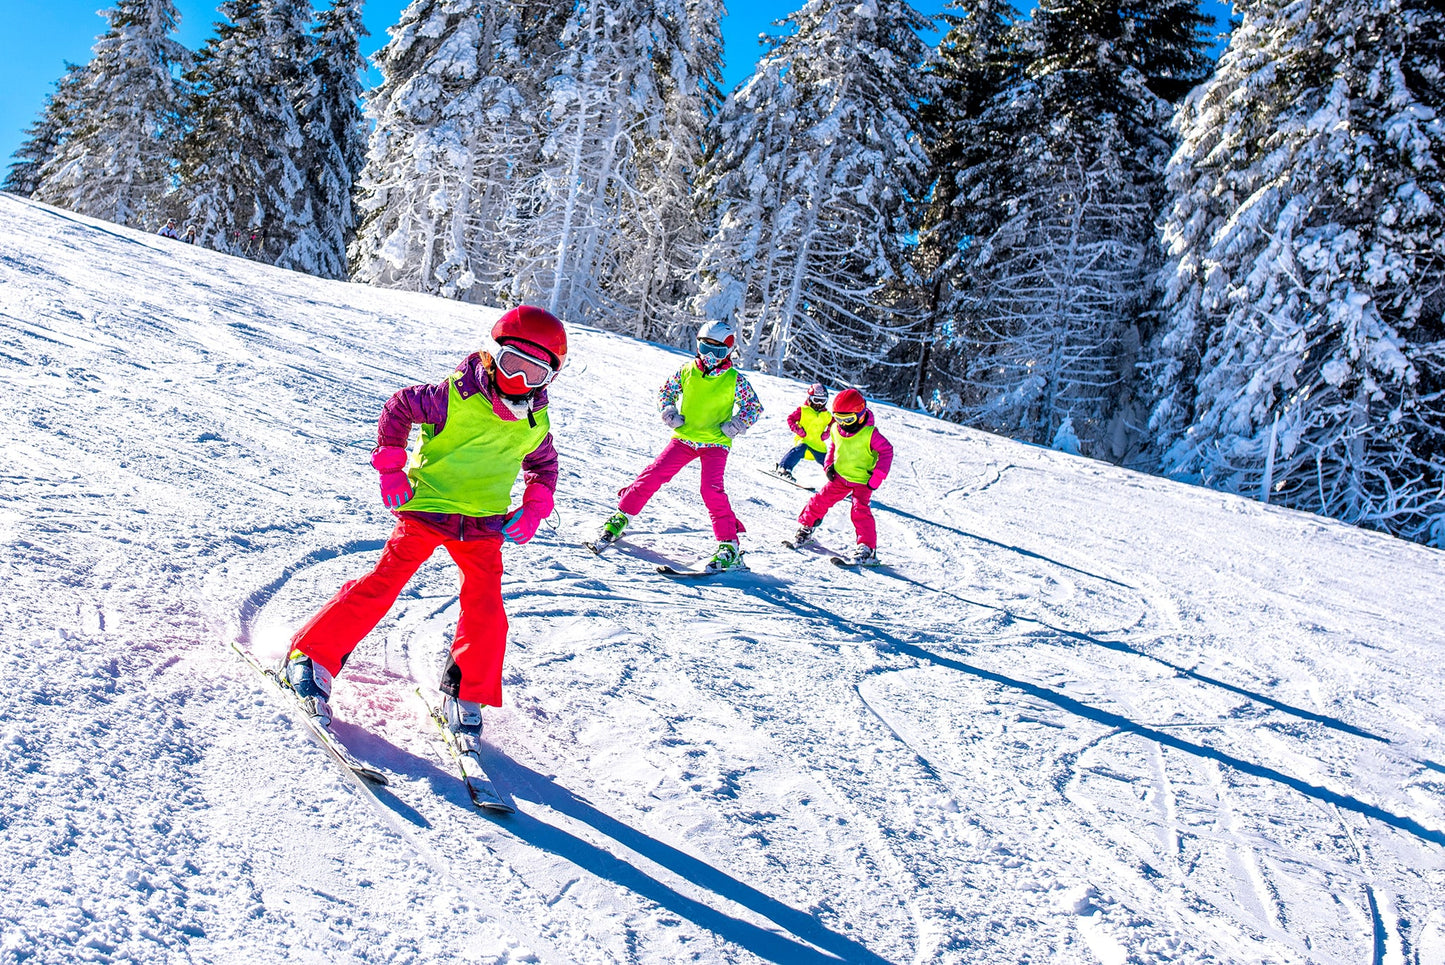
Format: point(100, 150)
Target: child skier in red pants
point(858, 461)
point(480, 427)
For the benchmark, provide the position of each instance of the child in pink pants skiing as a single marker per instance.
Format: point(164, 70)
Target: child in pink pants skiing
point(858, 461)
point(707, 404)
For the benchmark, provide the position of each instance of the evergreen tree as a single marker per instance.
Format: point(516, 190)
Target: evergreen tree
point(1048, 322)
point(816, 179)
point(974, 62)
point(117, 158)
point(44, 137)
point(335, 131)
point(1303, 356)
point(244, 162)
point(455, 132)
point(663, 241)
point(601, 227)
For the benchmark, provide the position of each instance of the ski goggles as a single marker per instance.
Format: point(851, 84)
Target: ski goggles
point(712, 349)
point(518, 366)
point(846, 418)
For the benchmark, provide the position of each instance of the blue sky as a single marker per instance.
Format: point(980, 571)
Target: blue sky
point(44, 34)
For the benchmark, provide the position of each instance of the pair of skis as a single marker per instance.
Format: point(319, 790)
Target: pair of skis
point(700, 568)
point(480, 788)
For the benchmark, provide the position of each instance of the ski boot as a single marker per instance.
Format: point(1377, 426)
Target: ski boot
point(727, 557)
point(802, 536)
point(310, 682)
point(612, 529)
point(464, 719)
point(779, 470)
point(864, 555)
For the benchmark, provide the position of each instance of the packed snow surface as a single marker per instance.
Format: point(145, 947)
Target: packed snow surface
point(1081, 715)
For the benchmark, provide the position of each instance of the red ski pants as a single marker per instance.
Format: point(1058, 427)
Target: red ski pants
point(835, 492)
point(668, 463)
point(474, 671)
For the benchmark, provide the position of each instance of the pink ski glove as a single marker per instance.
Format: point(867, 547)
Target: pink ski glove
point(396, 489)
point(875, 480)
point(521, 524)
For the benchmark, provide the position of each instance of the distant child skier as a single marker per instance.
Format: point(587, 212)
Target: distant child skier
point(168, 230)
point(810, 424)
point(479, 428)
point(708, 403)
point(858, 461)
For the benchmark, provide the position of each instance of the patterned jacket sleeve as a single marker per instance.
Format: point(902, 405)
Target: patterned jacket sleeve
point(750, 407)
point(414, 405)
point(670, 392)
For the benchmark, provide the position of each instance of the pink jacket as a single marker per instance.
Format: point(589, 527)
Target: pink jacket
point(878, 444)
point(427, 405)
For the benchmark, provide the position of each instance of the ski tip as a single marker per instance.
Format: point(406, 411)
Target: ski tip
point(495, 807)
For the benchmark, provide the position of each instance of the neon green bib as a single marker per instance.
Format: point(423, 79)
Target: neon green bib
point(853, 456)
point(814, 422)
point(706, 403)
point(469, 466)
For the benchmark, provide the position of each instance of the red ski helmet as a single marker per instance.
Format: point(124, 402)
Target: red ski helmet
point(817, 394)
point(528, 346)
point(849, 400)
point(535, 326)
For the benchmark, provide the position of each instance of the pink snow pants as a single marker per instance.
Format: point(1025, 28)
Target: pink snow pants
point(669, 461)
point(835, 492)
point(474, 671)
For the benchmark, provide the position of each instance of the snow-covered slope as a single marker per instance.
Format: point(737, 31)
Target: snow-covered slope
point(1083, 715)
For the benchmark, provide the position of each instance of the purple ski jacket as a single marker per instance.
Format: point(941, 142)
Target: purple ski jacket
point(427, 404)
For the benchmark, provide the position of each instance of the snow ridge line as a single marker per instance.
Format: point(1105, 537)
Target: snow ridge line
point(257, 600)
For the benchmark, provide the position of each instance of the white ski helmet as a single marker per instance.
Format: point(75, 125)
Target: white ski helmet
point(718, 330)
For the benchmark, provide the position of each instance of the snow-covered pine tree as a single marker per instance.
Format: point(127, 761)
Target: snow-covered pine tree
point(244, 160)
point(44, 137)
point(601, 227)
point(335, 131)
point(973, 62)
point(455, 131)
point(815, 180)
point(1049, 323)
point(656, 279)
point(1303, 359)
point(124, 120)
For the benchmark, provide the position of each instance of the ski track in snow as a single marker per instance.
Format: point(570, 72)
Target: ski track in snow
point(1079, 715)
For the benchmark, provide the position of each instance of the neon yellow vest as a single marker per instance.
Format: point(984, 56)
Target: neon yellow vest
point(853, 456)
point(814, 422)
point(706, 403)
point(469, 466)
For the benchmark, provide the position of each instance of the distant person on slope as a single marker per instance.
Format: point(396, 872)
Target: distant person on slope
point(479, 428)
point(858, 461)
point(190, 236)
point(810, 424)
point(708, 403)
point(168, 230)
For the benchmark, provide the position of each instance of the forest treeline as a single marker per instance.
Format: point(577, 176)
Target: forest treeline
point(1068, 226)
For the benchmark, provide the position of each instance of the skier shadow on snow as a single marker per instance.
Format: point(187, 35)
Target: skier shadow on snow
point(782, 598)
point(1334, 723)
point(811, 934)
point(1003, 546)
